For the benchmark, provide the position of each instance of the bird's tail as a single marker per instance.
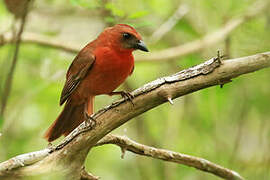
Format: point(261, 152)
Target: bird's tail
point(71, 117)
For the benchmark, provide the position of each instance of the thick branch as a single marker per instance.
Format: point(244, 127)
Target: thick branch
point(70, 154)
point(166, 155)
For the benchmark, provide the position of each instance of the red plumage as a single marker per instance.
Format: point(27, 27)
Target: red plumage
point(99, 68)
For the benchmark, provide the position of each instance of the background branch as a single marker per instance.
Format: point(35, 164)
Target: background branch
point(8, 82)
point(206, 41)
point(166, 54)
point(169, 24)
point(166, 155)
point(68, 157)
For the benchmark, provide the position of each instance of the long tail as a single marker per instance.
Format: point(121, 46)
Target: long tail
point(71, 117)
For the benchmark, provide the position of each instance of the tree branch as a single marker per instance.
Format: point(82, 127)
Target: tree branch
point(68, 157)
point(33, 38)
point(166, 155)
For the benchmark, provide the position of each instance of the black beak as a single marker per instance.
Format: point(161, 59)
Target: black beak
point(141, 46)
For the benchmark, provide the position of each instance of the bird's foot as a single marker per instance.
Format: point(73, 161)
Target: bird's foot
point(89, 120)
point(126, 95)
point(50, 145)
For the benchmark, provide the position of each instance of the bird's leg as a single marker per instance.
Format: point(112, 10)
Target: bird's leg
point(89, 120)
point(125, 95)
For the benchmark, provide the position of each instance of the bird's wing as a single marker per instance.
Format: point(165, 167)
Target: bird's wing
point(77, 71)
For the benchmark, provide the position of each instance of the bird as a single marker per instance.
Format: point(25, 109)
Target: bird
point(99, 68)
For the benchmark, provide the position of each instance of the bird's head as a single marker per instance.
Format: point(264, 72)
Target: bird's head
point(125, 38)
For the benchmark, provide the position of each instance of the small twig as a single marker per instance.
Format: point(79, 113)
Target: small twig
point(166, 155)
point(123, 152)
point(170, 100)
point(87, 176)
point(8, 82)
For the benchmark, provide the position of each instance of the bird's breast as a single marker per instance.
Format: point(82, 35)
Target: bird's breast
point(110, 69)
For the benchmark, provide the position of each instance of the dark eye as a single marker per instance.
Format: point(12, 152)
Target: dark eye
point(126, 36)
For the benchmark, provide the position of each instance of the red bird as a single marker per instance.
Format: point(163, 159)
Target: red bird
point(99, 68)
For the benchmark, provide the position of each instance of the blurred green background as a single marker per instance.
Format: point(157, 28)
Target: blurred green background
point(228, 126)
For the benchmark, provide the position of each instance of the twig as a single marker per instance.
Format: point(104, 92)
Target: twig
point(8, 82)
point(166, 155)
point(87, 176)
point(169, 24)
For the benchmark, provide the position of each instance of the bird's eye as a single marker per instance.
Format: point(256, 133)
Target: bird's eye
point(126, 36)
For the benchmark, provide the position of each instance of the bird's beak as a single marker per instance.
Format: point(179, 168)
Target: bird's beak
point(140, 45)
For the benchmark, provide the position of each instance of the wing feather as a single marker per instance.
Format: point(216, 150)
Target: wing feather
point(77, 71)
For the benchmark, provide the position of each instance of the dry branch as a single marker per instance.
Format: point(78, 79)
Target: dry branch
point(166, 155)
point(68, 157)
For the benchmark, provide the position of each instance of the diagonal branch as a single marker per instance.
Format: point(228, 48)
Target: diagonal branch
point(166, 155)
point(68, 157)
